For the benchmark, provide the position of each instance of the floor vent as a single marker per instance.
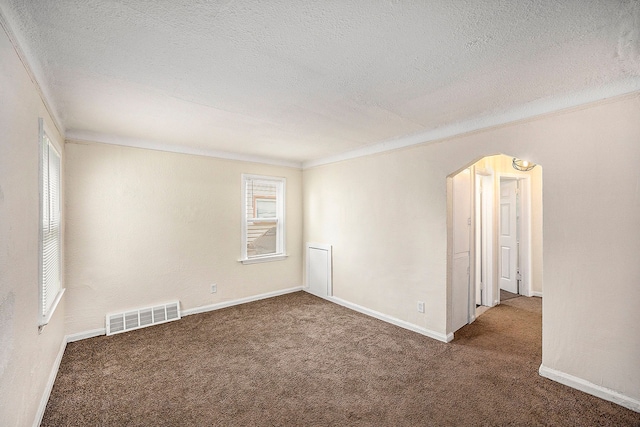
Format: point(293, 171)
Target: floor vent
point(142, 317)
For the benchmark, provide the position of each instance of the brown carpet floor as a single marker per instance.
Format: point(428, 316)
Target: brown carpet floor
point(506, 295)
point(297, 360)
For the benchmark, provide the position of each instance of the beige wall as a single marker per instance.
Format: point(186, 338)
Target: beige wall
point(385, 216)
point(146, 227)
point(26, 357)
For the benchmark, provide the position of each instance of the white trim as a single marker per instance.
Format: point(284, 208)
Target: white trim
point(267, 258)
point(35, 77)
point(47, 318)
point(390, 319)
point(471, 293)
point(82, 136)
point(319, 246)
point(50, 382)
point(86, 335)
point(527, 111)
point(203, 309)
point(484, 230)
point(536, 294)
point(225, 304)
point(526, 233)
point(102, 331)
point(590, 388)
point(526, 240)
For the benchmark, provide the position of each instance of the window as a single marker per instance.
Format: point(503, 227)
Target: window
point(263, 219)
point(265, 207)
point(50, 222)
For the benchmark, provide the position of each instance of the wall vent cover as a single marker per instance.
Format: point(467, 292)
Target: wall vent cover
point(142, 317)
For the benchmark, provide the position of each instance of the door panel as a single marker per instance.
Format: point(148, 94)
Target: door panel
point(505, 217)
point(508, 235)
point(505, 270)
point(461, 250)
point(460, 292)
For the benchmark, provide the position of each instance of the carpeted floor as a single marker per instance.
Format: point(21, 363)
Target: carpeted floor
point(297, 360)
point(506, 295)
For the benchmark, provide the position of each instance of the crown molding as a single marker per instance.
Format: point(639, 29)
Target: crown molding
point(81, 136)
point(527, 111)
point(36, 76)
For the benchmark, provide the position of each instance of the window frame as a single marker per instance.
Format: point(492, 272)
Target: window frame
point(48, 305)
point(279, 219)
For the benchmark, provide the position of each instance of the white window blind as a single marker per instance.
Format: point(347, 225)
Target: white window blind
point(50, 228)
point(263, 218)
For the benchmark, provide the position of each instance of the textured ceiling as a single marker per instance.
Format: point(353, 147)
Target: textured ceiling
point(301, 80)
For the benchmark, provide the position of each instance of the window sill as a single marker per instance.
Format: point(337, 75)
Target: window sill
point(44, 321)
point(268, 258)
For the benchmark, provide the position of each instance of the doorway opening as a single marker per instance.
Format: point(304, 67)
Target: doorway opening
point(494, 237)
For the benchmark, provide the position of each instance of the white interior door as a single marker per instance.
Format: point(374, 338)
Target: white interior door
point(508, 236)
point(461, 249)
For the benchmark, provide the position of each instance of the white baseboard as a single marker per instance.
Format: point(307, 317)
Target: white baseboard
point(590, 388)
point(225, 304)
point(49, 387)
point(536, 294)
point(102, 331)
point(389, 319)
point(86, 334)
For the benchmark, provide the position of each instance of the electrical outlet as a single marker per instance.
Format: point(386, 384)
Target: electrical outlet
point(214, 288)
point(420, 307)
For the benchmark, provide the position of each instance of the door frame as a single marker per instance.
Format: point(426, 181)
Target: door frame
point(524, 185)
point(484, 234)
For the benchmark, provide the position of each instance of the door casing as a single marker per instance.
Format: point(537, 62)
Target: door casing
point(484, 225)
point(525, 232)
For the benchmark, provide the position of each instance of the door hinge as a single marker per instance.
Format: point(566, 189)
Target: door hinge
point(468, 271)
point(468, 221)
point(518, 275)
point(481, 286)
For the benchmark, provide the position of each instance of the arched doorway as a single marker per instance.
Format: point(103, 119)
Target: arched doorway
point(494, 228)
